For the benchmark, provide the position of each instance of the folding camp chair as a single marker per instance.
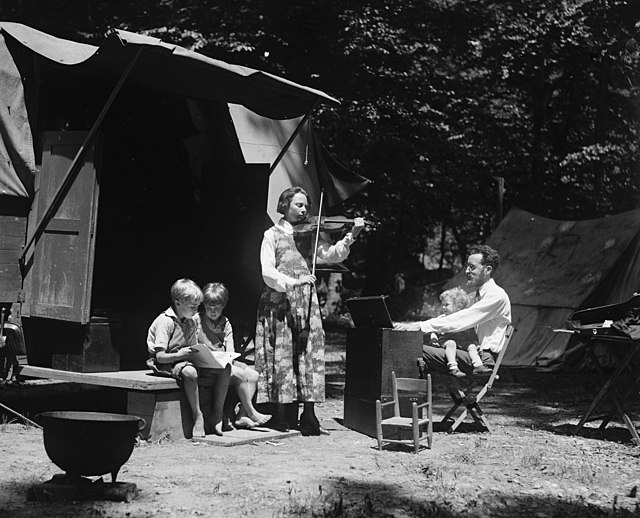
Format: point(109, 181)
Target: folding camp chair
point(463, 397)
point(415, 389)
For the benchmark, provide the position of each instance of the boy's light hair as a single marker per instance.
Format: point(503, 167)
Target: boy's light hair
point(185, 290)
point(216, 293)
point(459, 298)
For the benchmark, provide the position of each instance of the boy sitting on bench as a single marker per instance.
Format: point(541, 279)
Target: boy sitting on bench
point(169, 341)
point(217, 334)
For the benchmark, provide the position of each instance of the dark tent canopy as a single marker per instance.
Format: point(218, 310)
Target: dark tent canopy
point(176, 70)
point(153, 64)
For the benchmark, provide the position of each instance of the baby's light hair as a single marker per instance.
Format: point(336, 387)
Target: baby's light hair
point(216, 293)
point(457, 296)
point(185, 290)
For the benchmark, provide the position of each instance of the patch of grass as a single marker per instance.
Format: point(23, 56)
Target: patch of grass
point(432, 473)
point(533, 460)
point(465, 457)
point(435, 476)
point(561, 465)
point(5, 421)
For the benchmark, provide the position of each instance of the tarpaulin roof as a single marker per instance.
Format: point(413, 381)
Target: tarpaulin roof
point(178, 70)
point(17, 158)
point(551, 268)
point(160, 66)
point(306, 163)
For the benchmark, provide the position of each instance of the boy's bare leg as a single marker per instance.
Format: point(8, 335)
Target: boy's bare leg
point(217, 398)
point(478, 366)
point(190, 379)
point(452, 362)
point(246, 382)
point(473, 354)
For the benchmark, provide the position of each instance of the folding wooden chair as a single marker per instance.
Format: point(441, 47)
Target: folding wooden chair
point(415, 389)
point(471, 403)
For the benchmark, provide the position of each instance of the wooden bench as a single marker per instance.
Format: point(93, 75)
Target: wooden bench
point(158, 400)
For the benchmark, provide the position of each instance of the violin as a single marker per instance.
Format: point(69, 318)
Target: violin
point(327, 224)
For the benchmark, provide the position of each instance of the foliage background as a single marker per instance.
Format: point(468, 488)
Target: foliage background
point(457, 109)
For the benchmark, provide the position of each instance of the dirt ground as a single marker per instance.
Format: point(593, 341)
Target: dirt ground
point(530, 465)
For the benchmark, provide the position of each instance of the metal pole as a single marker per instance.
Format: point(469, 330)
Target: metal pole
point(287, 145)
point(500, 198)
point(25, 419)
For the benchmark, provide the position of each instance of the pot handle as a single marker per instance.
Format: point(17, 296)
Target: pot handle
point(141, 423)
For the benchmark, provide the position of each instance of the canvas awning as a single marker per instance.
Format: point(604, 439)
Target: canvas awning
point(306, 162)
point(159, 66)
point(174, 69)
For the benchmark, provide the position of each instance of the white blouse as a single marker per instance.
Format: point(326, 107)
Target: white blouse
point(326, 253)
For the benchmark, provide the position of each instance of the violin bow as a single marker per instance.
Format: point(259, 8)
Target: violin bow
point(307, 325)
point(315, 248)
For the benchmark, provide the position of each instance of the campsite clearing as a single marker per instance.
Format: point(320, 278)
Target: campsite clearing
point(530, 465)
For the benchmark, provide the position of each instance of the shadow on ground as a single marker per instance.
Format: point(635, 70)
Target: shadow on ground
point(345, 497)
point(551, 401)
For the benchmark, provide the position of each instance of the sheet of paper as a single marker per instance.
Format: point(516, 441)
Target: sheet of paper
point(208, 359)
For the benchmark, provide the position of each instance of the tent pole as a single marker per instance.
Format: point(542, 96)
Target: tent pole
point(74, 168)
point(25, 419)
point(293, 136)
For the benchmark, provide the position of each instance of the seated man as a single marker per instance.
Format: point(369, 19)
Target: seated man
point(490, 314)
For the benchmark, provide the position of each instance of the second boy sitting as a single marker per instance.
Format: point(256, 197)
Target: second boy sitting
point(217, 334)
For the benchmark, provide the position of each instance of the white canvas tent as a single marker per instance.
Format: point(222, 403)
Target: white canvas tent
point(552, 268)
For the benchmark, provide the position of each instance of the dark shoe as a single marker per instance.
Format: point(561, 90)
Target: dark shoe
point(309, 425)
point(482, 370)
point(291, 415)
point(276, 424)
point(456, 373)
point(309, 431)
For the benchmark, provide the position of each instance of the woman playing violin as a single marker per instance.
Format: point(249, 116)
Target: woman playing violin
point(289, 342)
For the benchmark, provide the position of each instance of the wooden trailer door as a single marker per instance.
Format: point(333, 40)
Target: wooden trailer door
point(59, 268)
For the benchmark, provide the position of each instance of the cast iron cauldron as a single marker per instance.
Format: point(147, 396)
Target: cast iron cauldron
point(89, 443)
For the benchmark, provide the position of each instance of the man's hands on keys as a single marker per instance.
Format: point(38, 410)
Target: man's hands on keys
point(407, 326)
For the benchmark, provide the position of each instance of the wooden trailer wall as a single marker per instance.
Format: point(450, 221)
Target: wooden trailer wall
point(13, 230)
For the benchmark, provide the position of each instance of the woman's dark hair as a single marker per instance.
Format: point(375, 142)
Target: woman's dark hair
point(287, 195)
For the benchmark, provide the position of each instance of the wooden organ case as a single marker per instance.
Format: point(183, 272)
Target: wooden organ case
point(372, 354)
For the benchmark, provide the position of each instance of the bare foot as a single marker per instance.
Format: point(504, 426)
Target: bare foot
point(226, 425)
point(217, 428)
point(198, 427)
point(244, 422)
point(260, 419)
point(211, 423)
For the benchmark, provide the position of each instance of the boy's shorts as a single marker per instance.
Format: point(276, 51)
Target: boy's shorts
point(171, 370)
point(174, 370)
point(463, 339)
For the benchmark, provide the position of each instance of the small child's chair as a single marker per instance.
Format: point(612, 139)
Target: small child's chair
point(415, 389)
